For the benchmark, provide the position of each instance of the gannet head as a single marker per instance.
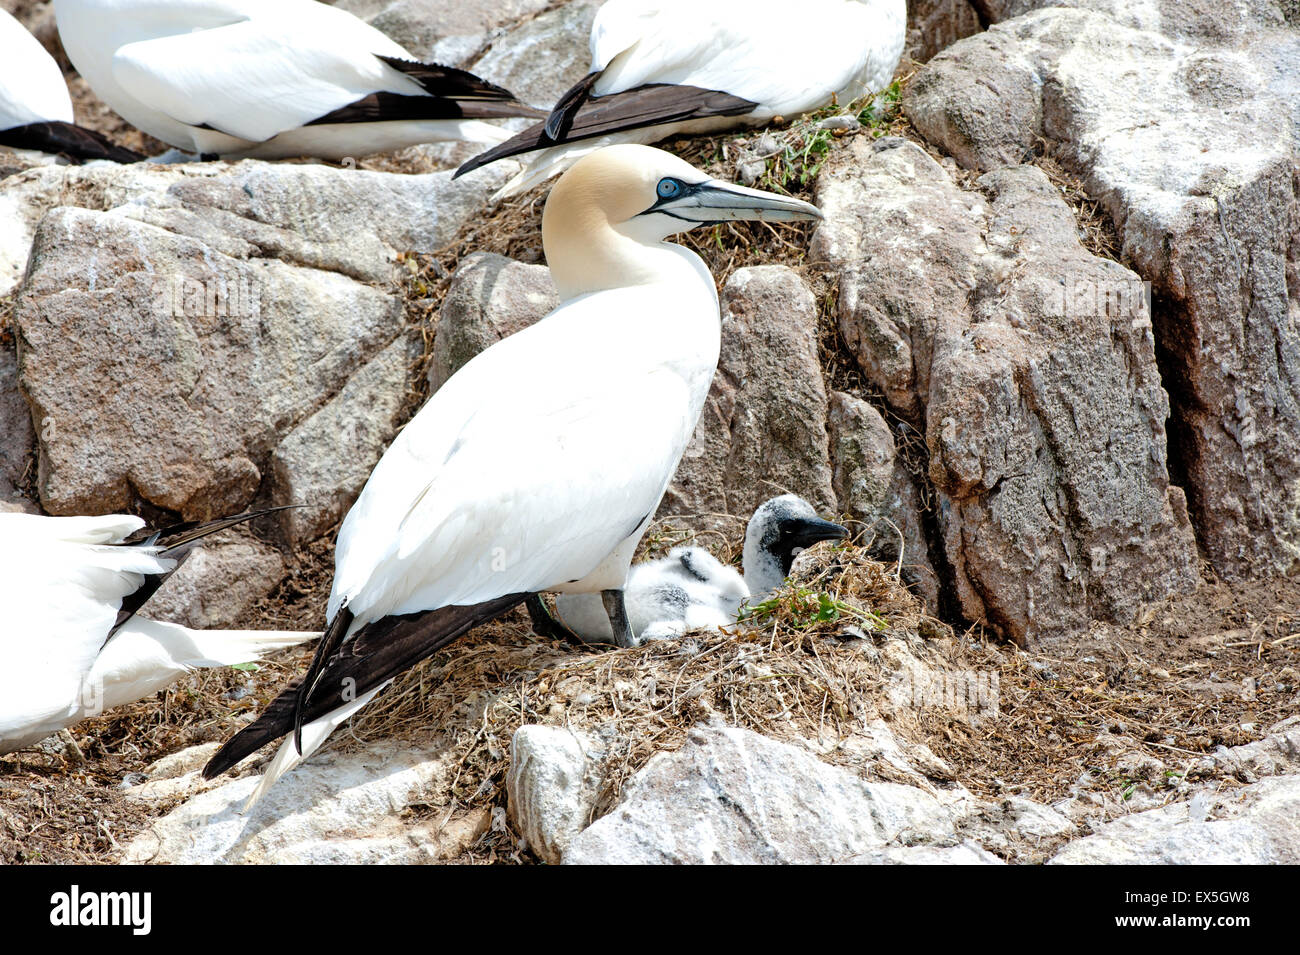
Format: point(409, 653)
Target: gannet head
point(644, 195)
point(779, 531)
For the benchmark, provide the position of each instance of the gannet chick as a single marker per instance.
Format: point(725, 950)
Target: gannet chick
point(690, 589)
point(662, 67)
point(72, 645)
point(35, 109)
point(539, 464)
point(251, 78)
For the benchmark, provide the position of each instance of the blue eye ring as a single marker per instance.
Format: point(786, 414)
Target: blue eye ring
point(668, 188)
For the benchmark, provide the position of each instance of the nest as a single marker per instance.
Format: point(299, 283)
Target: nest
point(806, 668)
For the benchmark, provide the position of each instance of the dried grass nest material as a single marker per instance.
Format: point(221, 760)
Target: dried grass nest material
point(810, 670)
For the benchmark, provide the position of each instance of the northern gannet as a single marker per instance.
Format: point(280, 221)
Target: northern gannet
point(690, 589)
point(72, 646)
point(660, 67)
point(540, 463)
point(271, 78)
point(35, 109)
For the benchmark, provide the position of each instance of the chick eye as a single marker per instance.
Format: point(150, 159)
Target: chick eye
point(668, 188)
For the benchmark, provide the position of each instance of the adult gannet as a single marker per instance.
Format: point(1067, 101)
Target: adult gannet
point(271, 78)
point(71, 645)
point(35, 109)
point(690, 589)
point(540, 463)
point(660, 67)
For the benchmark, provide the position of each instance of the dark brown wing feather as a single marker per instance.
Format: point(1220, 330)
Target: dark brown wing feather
point(453, 94)
point(566, 107)
point(66, 139)
point(653, 105)
point(177, 541)
point(377, 653)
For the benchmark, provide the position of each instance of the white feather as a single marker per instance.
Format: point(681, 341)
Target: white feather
point(31, 87)
point(788, 59)
point(62, 583)
point(242, 77)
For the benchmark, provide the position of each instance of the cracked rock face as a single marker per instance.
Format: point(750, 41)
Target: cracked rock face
point(179, 330)
point(732, 796)
point(763, 429)
point(1200, 175)
point(1031, 368)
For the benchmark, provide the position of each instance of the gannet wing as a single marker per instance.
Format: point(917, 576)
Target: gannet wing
point(259, 77)
point(754, 50)
point(61, 582)
point(644, 106)
point(31, 87)
point(524, 472)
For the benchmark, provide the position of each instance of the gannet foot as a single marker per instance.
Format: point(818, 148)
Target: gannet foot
point(618, 622)
point(544, 625)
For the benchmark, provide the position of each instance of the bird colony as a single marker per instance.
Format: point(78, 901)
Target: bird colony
point(529, 478)
point(601, 397)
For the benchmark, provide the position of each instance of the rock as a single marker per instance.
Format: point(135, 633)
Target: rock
point(335, 808)
point(447, 33)
point(553, 784)
point(1276, 754)
point(1253, 825)
point(204, 315)
point(219, 583)
point(1198, 175)
point(489, 297)
point(174, 777)
point(325, 461)
point(763, 429)
point(998, 118)
point(539, 60)
point(16, 434)
point(933, 25)
point(875, 489)
point(1030, 365)
point(964, 854)
point(731, 796)
point(1019, 829)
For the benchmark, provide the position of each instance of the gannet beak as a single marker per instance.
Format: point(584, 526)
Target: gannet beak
point(806, 531)
point(717, 201)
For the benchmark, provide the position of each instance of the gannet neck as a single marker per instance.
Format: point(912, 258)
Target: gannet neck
point(586, 253)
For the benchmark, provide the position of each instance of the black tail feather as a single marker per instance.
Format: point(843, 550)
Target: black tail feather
point(389, 107)
point(447, 81)
point(329, 643)
point(653, 105)
point(176, 541)
point(65, 139)
point(561, 119)
point(376, 653)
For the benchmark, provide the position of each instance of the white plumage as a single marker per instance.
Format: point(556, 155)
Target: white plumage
point(62, 583)
point(690, 589)
point(784, 57)
point(252, 78)
point(31, 87)
point(539, 464)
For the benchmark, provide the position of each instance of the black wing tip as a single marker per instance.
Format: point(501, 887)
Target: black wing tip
point(460, 83)
point(587, 117)
point(376, 653)
point(67, 139)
